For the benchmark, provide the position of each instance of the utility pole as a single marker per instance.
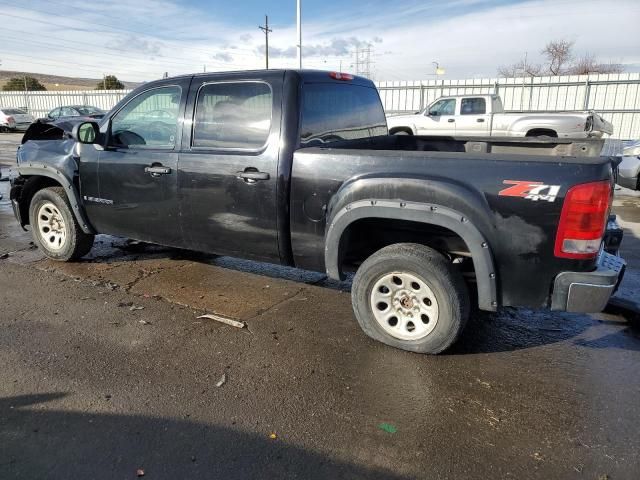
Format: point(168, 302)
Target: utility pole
point(299, 32)
point(266, 31)
point(26, 98)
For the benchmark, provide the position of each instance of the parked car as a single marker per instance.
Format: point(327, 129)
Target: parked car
point(484, 116)
point(629, 168)
point(297, 168)
point(14, 119)
point(85, 111)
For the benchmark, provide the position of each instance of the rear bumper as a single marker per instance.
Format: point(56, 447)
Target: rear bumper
point(629, 172)
point(588, 292)
point(22, 126)
point(630, 183)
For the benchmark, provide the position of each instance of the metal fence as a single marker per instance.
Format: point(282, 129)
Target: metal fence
point(616, 97)
point(39, 104)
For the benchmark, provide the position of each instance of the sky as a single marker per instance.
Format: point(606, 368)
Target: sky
point(139, 40)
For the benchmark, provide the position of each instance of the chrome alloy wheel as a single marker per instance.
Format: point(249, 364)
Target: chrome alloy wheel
point(51, 227)
point(404, 306)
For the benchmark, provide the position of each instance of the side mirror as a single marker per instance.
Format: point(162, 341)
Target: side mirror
point(434, 113)
point(85, 132)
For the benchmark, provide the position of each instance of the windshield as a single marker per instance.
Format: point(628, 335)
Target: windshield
point(13, 111)
point(332, 112)
point(89, 111)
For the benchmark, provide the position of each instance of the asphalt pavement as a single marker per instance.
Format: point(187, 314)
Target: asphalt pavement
point(107, 373)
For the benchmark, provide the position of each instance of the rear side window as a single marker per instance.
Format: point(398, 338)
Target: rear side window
point(473, 106)
point(234, 116)
point(332, 112)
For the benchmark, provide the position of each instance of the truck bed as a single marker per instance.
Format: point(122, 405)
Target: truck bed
point(529, 146)
point(447, 171)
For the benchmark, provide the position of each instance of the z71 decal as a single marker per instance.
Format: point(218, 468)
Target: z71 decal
point(530, 190)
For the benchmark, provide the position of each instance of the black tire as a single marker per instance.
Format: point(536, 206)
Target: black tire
point(76, 244)
point(432, 268)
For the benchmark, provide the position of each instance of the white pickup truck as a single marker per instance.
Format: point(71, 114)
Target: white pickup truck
point(484, 116)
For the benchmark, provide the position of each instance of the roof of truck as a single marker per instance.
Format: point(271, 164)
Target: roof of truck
point(307, 75)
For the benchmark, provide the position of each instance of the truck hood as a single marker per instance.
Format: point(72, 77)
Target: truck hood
point(56, 130)
point(401, 120)
point(49, 146)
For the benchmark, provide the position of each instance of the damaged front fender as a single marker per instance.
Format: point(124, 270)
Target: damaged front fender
point(55, 158)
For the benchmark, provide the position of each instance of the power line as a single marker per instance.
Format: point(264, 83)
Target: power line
point(160, 59)
point(93, 11)
point(50, 23)
point(78, 66)
point(266, 31)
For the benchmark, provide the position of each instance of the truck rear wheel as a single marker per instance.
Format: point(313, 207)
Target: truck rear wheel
point(410, 297)
point(54, 227)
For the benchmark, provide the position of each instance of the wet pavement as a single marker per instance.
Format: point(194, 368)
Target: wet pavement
point(93, 386)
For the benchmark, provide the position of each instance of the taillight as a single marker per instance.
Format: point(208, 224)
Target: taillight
point(583, 220)
point(10, 119)
point(345, 77)
point(588, 125)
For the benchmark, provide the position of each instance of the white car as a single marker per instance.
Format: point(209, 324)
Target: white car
point(484, 116)
point(629, 168)
point(14, 119)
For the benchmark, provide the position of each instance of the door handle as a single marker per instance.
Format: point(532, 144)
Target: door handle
point(480, 120)
point(157, 170)
point(252, 175)
point(451, 120)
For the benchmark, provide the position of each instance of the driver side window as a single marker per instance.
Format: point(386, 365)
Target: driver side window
point(444, 107)
point(150, 120)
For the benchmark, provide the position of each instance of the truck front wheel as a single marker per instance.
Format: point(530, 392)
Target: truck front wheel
point(55, 229)
point(410, 297)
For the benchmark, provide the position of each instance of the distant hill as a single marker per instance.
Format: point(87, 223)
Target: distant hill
point(57, 82)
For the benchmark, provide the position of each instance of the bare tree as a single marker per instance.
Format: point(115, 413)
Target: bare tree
point(588, 64)
point(520, 69)
point(558, 53)
point(560, 61)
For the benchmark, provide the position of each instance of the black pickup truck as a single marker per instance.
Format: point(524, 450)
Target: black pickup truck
point(297, 168)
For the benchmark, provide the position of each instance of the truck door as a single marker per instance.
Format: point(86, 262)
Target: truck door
point(439, 118)
point(473, 119)
point(137, 170)
point(228, 165)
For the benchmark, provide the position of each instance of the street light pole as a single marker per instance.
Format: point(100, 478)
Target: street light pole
point(299, 32)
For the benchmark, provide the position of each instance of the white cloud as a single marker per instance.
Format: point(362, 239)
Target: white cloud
point(466, 37)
